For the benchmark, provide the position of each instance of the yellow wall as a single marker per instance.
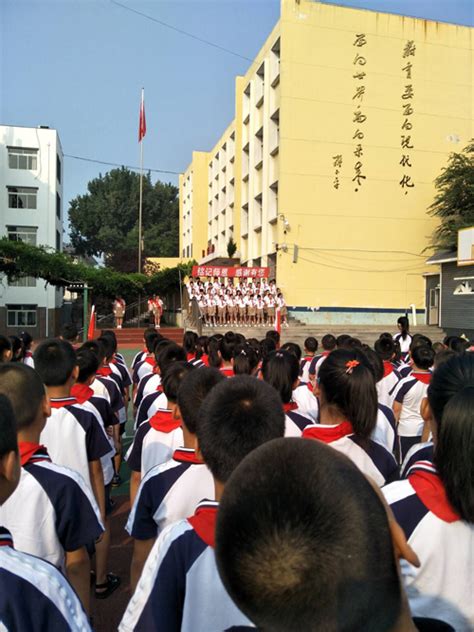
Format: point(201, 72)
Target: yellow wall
point(193, 207)
point(336, 229)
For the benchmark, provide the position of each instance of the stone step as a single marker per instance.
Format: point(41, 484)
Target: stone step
point(133, 336)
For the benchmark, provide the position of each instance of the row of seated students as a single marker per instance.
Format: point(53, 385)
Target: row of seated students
point(303, 537)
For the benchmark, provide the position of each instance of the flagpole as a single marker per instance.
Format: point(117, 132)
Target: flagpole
point(141, 195)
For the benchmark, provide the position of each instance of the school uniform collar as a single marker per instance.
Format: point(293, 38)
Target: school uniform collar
point(228, 371)
point(204, 521)
point(387, 368)
point(32, 453)
point(60, 402)
point(328, 433)
point(104, 371)
point(186, 455)
point(6, 538)
point(150, 360)
point(82, 392)
point(422, 376)
point(163, 421)
point(289, 407)
point(429, 488)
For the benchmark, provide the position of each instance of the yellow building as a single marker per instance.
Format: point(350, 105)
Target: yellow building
point(342, 122)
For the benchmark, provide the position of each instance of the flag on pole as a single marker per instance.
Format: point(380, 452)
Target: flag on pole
point(91, 328)
point(278, 320)
point(142, 122)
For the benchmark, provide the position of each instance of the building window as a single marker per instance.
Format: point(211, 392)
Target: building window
point(25, 281)
point(22, 197)
point(58, 241)
point(58, 168)
point(22, 158)
point(26, 234)
point(58, 206)
point(21, 315)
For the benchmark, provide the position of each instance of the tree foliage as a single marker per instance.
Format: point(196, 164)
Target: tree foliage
point(104, 221)
point(454, 201)
point(18, 259)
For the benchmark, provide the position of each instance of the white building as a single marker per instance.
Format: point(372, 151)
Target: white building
point(31, 202)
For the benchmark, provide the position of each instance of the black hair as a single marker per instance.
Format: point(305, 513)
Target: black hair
point(458, 344)
point(192, 391)
point(267, 345)
point(172, 377)
point(329, 342)
point(227, 345)
point(273, 335)
point(110, 334)
point(8, 440)
point(423, 357)
point(201, 347)
point(405, 326)
point(281, 370)
point(5, 346)
point(108, 345)
point(419, 340)
point(375, 361)
point(168, 354)
point(150, 337)
point(97, 349)
point(385, 348)
point(303, 542)
point(189, 341)
point(25, 390)
point(159, 346)
point(386, 334)
point(351, 390)
point(88, 363)
point(245, 360)
point(293, 348)
point(451, 398)
point(352, 343)
point(341, 340)
point(17, 348)
point(442, 356)
point(55, 361)
point(237, 416)
point(27, 340)
point(311, 344)
point(69, 332)
point(215, 360)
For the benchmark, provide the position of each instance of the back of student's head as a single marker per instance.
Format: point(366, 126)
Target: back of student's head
point(8, 440)
point(88, 363)
point(385, 348)
point(404, 326)
point(69, 332)
point(281, 370)
point(423, 357)
point(442, 356)
point(303, 542)
point(458, 344)
point(55, 361)
point(189, 341)
point(273, 335)
point(169, 353)
point(293, 348)
point(245, 360)
point(5, 349)
point(341, 340)
point(25, 391)
point(348, 384)
point(109, 346)
point(267, 345)
point(97, 349)
point(17, 348)
point(201, 346)
point(27, 339)
point(451, 399)
point(193, 389)
point(375, 362)
point(311, 344)
point(420, 340)
point(110, 334)
point(227, 346)
point(172, 378)
point(328, 342)
point(237, 416)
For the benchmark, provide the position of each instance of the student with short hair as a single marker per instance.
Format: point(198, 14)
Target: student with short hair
point(310, 348)
point(148, 361)
point(52, 514)
point(303, 395)
point(141, 355)
point(320, 554)
point(385, 349)
point(27, 340)
point(5, 349)
point(171, 491)
point(435, 505)
point(348, 414)
point(34, 595)
point(166, 352)
point(275, 336)
point(69, 333)
point(180, 588)
point(17, 349)
point(328, 343)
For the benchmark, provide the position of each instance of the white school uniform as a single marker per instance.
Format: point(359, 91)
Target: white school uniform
point(387, 384)
point(410, 392)
point(308, 404)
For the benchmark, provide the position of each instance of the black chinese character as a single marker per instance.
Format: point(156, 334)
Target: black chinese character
point(358, 134)
point(360, 40)
point(406, 142)
point(407, 69)
point(358, 151)
point(359, 60)
point(409, 49)
point(405, 161)
point(360, 91)
point(406, 182)
point(337, 160)
point(407, 125)
point(407, 109)
point(359, 117)
point(359, 75)
point(408, 94)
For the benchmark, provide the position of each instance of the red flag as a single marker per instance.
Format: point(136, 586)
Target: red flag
point(142, 122)
point(91, 328)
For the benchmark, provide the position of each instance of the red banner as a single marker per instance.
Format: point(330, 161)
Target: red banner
point(227, 272)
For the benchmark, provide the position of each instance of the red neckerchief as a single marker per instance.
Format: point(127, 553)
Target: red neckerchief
point(32, 452)
point(60, 402)
point(82, 392)
point(227, 371)
point(430, 490)
point(163, 421)
point(204, 522)
point(104, 371)
point(289, 406)
point(190, 356)
point(310, 387)
point(308, 358)
point(422, 377)
point(205, 359)
point(328, 434)
point(186, 455)
point(387, 368)
point(150, 360)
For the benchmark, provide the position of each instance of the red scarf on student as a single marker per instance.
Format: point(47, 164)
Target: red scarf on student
point(60, 402)
point(328, 434)
point(430, 490)
point(289, 406)
point(82, 392)
point(163, 421)
point(422, 377)
point(151, 361)
point(186, 455)
point(204, 523)
point(387, 368)
point(227, 371)
point(104, 371)
point(32, 452)
point(190, 356)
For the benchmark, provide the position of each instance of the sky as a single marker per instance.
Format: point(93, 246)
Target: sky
point(79, 66)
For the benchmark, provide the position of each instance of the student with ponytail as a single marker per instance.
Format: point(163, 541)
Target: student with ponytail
point(435, 506)
point(245, 360)
point(348, 414)
point(403, 336)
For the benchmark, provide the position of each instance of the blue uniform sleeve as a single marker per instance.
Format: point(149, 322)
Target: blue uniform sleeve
point(142, 524)
point(134, 459)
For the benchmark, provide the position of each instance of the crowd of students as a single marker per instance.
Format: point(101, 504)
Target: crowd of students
point(246, 303)
point(324, 488)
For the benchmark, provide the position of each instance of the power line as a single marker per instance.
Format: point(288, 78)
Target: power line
point(181, 31)
point(116, 164)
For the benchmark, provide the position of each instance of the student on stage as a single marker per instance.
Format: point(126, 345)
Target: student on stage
point(403, 335)
point(118, 309)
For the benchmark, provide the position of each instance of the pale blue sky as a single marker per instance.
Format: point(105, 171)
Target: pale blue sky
point(79, 65)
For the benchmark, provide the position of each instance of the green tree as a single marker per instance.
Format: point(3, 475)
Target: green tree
point(454, 201)
point(104, 221)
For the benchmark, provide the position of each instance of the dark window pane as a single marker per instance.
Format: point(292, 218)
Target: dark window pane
point(22, 162)
point(31, 319)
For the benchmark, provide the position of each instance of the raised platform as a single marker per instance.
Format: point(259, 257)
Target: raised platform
point(130, 337)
